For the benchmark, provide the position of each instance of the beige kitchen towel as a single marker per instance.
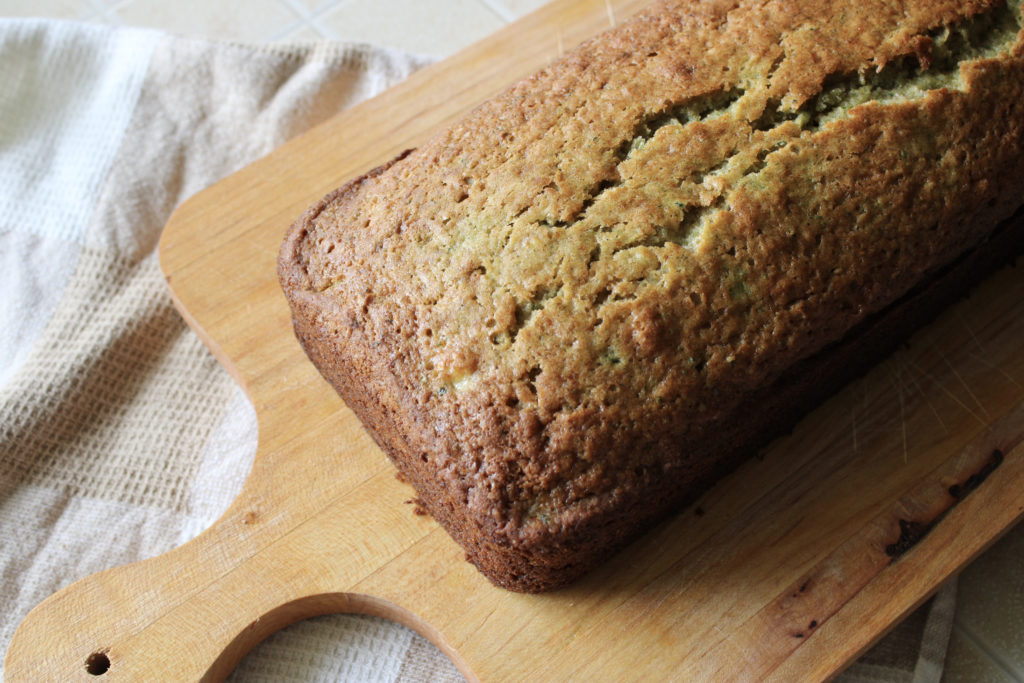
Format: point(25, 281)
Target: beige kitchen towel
point(120, 436)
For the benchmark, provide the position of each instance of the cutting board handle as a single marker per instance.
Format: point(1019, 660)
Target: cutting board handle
point(195, 611)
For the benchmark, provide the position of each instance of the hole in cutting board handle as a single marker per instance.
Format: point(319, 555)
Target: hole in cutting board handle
point(97, 663)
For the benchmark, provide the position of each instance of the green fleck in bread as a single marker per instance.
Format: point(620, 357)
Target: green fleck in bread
point(571, 311)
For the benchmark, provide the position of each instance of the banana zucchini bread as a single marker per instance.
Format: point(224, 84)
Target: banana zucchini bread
point(572, 310)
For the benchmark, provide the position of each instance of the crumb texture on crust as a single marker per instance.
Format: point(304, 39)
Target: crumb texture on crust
point(554, 309)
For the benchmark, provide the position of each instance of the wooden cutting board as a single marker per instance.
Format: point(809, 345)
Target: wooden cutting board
point(788, 569)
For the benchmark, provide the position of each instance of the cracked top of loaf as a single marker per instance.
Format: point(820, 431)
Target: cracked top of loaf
point(561, 301)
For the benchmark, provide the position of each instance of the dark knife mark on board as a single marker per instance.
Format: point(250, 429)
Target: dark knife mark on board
point(911, 532)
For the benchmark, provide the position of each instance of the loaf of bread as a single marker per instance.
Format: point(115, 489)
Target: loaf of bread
point(568, 313)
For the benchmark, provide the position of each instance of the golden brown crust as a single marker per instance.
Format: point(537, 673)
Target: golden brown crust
point(551, 314)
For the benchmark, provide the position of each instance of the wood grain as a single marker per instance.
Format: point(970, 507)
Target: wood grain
point(784, 570)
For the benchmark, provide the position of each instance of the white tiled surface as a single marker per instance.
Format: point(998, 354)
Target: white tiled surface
point(989, 626)
point(422, 28)
point(988, 637)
